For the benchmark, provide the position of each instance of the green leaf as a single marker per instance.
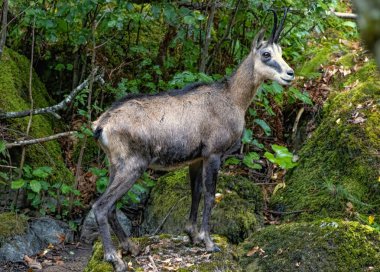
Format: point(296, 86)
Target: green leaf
point(249, 158)
point(101, 184)
point(65, 189)
point(350, 24)
point(264, 126)
point(283, 157)
point(3, 176)
point(304, 97)
point(277, 88)
point(42, 172)
point(256, 143)
point(2, 146)
point(27, 171)
point(35, 186)
point(138, 188)
point(59, 67)
point(247, 136)
point(100, 172)
point(17, 184)
point(232, 161)
point(133, 197)
point(189, 20)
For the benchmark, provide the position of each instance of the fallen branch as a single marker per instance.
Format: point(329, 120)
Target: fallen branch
point(52, 109)
point(167, 215)
point(284, 213)
point(153, 264)
point(346, 15)
point(39, 140)
point(295, 125)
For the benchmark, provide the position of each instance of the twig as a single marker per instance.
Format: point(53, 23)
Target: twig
point(4, 24)
point(167, 215)
point(204, 51)
point(153, 264)
point(8, 166)
point(284, 213)
point(295, 126)
point(39, 140)
point(61, 105)
point(345, 15)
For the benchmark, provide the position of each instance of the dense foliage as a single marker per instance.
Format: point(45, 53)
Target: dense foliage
point(150, 47)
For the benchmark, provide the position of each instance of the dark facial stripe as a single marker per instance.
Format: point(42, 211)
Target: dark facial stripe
point(274, 64)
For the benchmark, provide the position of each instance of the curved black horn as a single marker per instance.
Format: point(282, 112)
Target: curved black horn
point(274, 30)
point(281, 26)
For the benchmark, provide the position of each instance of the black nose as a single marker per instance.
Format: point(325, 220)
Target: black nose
point(290, 73)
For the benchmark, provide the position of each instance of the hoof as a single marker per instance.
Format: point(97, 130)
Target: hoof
point(134, 249)
point(116, 262)
point(213, 248)
point(131, 248)
point(193, 235)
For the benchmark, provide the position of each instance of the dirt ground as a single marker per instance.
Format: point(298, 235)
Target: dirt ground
point(62, 258)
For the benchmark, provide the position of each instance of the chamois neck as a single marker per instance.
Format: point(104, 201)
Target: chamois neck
point(243, 84)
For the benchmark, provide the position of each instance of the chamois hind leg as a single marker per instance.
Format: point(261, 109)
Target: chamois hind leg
point(210, 173)
point(195, 173)
point(127, 171)
point(125, 243)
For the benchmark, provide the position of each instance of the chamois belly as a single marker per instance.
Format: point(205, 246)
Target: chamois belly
point(173, 166)
point(171, 157)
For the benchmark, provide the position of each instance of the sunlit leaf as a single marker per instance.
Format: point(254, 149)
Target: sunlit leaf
point(35, 186)
point(17, 184)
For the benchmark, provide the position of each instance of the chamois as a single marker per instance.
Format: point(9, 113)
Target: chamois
point(195, 126)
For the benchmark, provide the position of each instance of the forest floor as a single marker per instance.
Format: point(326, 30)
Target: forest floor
point(64, 258)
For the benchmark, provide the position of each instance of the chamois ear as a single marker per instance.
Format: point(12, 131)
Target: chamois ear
point(258, 39)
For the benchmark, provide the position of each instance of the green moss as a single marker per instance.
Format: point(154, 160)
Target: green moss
point(339, 163)
point(325, 245)
point(235, 216)
point(96, 263)
point(347, 60)
point(368, 72)
point(310, 67)
point(12, 224)
point(14, 78)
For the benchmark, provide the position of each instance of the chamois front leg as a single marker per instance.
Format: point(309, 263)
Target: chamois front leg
point(210, 174)
point(195, 173)
point(127, 171)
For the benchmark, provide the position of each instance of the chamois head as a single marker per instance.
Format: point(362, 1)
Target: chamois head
point(267, 55)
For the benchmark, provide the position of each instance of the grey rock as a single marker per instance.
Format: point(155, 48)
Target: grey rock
point(90, 232)
point(41, 232)
point(16, 247)
point(51, 231)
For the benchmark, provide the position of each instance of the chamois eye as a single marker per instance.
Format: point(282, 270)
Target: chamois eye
point(266, 55)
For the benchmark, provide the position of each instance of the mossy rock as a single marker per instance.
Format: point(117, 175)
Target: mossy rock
point(325, 245)
point(235, 216)
point(339, 165)
point(14, 96)
point(12, 224)
point(170, 253)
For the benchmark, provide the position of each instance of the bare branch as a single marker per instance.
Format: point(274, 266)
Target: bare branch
point(61, 105)
point(4, 24)
point(39, 140)
point(346, 15)
point(206, 44)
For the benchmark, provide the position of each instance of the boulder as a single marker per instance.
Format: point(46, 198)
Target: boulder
point(322, 245)
point(37, 234)
point(235, 215)
point(90, 232)
point(338, 169)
